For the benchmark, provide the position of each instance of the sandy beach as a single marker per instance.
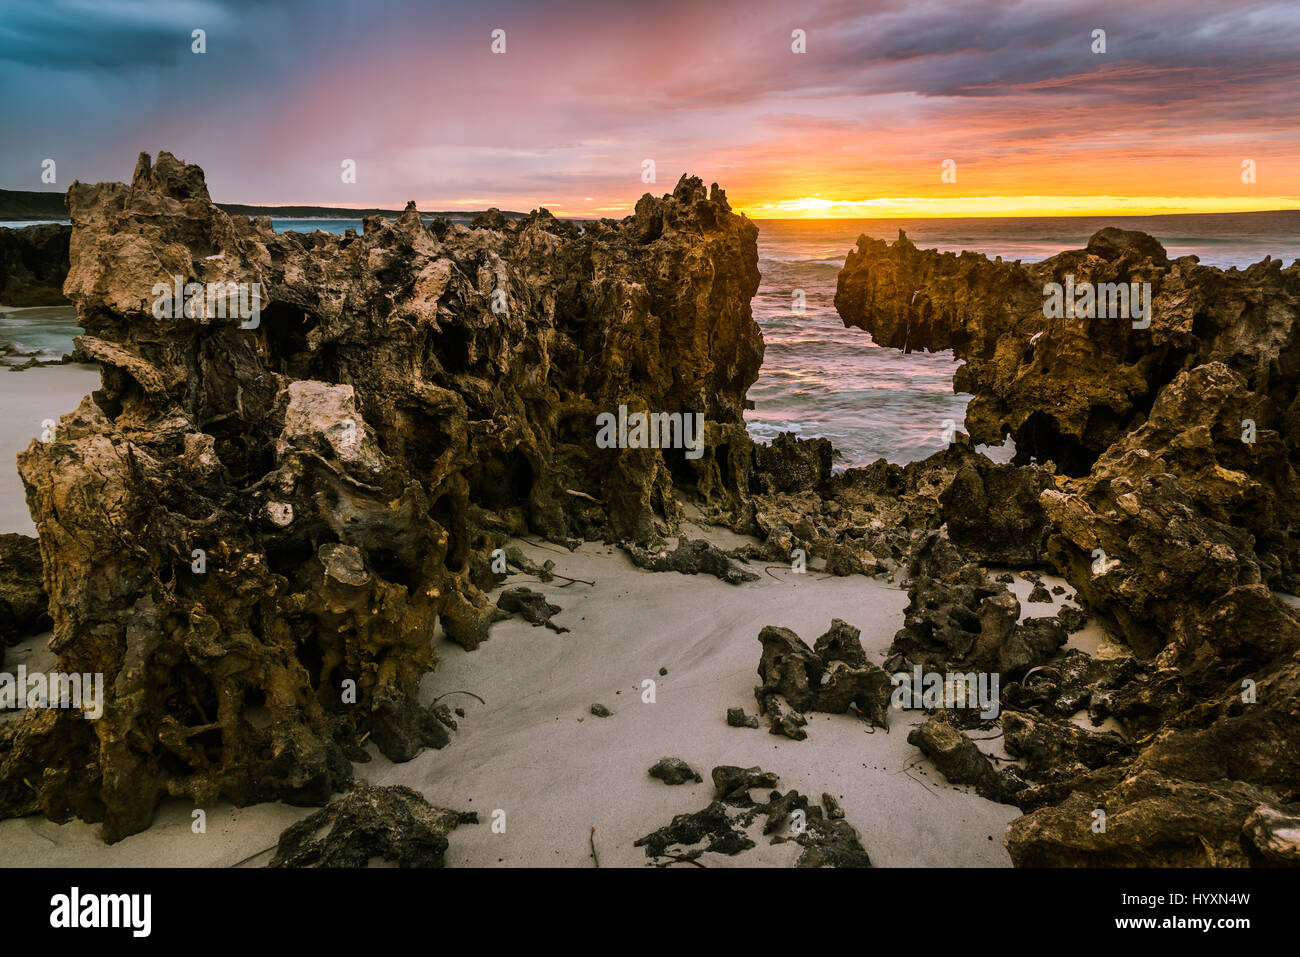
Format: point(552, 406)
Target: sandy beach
point(29, 398)
point(534, 750)
point(309, 516)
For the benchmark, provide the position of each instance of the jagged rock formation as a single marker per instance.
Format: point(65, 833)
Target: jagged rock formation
point(1173, 517)
point(957, 757)
point(832, 676)
point(1138, 415)
point(721, 828)
point(24, 608)
point(529, 605)
point(254, 528)
point(692, 557)
point(873, 520)
point(33, 264)
point(960, 621)
point(393, 825)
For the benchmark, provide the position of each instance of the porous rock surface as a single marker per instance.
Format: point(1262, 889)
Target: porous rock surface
point(833, 676)
point(1169, 505)
point(250, 522)
point(24, 608)
point(33, 264)
point(390, 826)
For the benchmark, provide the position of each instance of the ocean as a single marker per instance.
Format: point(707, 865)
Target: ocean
point(821, 379)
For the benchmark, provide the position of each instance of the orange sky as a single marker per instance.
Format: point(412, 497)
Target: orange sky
point(1036, 121)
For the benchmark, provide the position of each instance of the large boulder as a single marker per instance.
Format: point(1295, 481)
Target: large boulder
point(24, 607)
point(255, 526)
point(33, 264)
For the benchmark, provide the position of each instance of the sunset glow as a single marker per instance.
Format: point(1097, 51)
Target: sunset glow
point(1033, 120)
point(938, 207)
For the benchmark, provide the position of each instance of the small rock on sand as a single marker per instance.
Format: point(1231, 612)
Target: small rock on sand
point(674, 771)
point(737, 718)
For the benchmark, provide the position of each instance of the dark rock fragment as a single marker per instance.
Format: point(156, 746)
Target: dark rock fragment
point(737, 718)
point(789, 668)
point(791, 464)
point(784, 720)
point(1030, 643)
point(1072, 619)
point(954, 754)
point(826, 842)
point(34, 264)
point(392, 824)
point(692, 557)
point(712, 824)
point(401, 728)
point(842, 642)
point(674, 771)
point(731, 783)
point(781, 806)
point(868, 687)
point(516, 557)
point(1051, 745)
point(530, 606)
point(831, 843)
point(24, 607)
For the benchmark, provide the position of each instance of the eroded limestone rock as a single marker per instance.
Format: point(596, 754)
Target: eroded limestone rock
point(255, 526)
point(24, 607)
point(834, 676)
point(392, 825)
point(33, 264)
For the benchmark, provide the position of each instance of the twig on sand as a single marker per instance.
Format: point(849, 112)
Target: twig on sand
point(570, 581)
point(256, 854)
point(554, 574)
point(470, 693)
point(918, 781)
point(906, 770)
point(591, 836)
point(545, 548)
point(768, 571)
point(682, 858)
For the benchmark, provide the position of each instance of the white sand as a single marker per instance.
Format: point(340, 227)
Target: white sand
point(526, 751)
point(28, 398)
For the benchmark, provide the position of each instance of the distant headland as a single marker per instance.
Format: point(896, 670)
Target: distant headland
point(21, 204)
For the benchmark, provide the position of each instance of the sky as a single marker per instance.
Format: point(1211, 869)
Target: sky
point(1032, 119)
